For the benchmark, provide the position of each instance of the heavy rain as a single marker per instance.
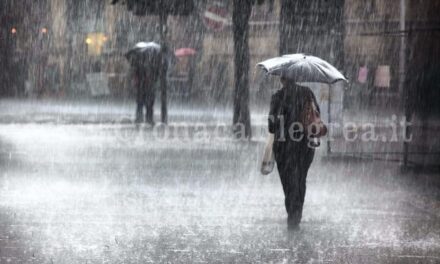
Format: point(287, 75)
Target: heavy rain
point(219, 131)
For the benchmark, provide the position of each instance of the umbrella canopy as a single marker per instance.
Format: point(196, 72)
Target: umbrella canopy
point(302, 68)
point(183, 52)
point(144, 54)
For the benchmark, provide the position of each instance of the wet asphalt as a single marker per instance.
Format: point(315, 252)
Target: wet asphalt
point(117, 193)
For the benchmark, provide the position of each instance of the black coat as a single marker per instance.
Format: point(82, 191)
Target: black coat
point(286, 107)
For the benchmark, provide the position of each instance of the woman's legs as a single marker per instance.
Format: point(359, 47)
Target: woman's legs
point(293, 174)
point(302, 169)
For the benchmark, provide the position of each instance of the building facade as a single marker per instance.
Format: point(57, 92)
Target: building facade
point(69, 39)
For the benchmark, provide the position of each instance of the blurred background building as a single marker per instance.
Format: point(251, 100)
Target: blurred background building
point(48, 47)
point(389, 50)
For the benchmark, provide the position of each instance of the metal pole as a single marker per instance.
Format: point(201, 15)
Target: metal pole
point(402, 76)
point(402, 54)
point(329, 149)
point(163, 67)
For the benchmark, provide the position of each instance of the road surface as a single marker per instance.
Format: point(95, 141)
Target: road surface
point(117, 194)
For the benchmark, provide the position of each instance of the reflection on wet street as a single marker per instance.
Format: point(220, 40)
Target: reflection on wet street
point(115, 194)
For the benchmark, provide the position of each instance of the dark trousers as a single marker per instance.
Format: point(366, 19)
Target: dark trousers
point(293, 162)
point(145, 97)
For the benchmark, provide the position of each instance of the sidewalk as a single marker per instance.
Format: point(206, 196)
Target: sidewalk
point(16, 111)
point(99, 111)
point(113, 112)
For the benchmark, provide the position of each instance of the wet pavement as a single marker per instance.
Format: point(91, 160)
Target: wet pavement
point(116, 193)
point(108, 111)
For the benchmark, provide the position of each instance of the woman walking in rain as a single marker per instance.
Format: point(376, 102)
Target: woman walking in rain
point(290, 122)
point(295, 125)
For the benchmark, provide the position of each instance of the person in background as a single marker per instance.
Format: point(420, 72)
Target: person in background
point(145, 79)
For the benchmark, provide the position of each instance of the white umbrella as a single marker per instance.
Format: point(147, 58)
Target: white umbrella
point(302, 68)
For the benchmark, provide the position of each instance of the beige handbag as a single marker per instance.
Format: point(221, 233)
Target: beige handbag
point(268, 162)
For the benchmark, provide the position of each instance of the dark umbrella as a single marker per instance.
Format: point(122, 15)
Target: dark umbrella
point(302, 68)
point(144, 54)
